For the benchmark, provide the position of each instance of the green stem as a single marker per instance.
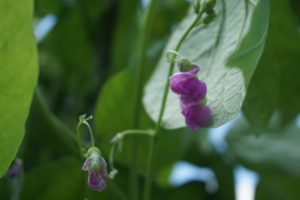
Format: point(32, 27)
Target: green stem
point(138, 92)
point(147, 187)
point(111, 157)
point(79, 140)
point(121, 135)
point(91, 133)
point(118, 139)
point(61, 130)
point(78, 133)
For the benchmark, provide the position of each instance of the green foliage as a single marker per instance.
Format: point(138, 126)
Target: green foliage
point(52, 181)
point(275, 82)
point(88, 66)
point(238, 35)
point(18, 61)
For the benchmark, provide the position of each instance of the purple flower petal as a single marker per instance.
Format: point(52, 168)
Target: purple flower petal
point(178, 79)
point(96, 182)
point(196, 116)
point(103, 170)
point(86, 165)
point(194, 90)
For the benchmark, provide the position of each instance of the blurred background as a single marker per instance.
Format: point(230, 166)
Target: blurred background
point(87, 58)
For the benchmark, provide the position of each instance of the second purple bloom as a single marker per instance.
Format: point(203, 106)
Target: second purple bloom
point(191, 91)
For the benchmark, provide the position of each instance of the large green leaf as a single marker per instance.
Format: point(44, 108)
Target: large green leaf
point(227, 50)
point(18, 61)
point(285, 40)
point(277, 71)
point(262, 95)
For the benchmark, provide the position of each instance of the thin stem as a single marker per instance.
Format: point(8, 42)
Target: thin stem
point(149, 17)
point(121, 135)
point(83, 120)
point(91, 133)
point(147, 187)
point(112, 156)
point(79, 139)
point(118, 139)
point(62, 131)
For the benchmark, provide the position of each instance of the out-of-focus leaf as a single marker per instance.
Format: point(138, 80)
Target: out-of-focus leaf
point(295, 5)
point(73, 58)
point(124, 41)
point(114, 113)
point(238, 33)
point(49, 137)
point(273, 151)
point(169, 14)
point(190, 191)
point(262, 97)
point(18, 61)
point(55, 180)
point(276, 78)
point(277, 188)
point(285, 40)
point(43, 7)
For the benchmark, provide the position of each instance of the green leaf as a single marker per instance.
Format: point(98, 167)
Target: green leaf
point(277, 188)
point(285, 40)
point(227, 51)
point(273, 151)
point(47, 134)
point(114, 113)
point(262, 95)
point(18, 61)
point(61, 179)
point(123, 49)
point(277, 71)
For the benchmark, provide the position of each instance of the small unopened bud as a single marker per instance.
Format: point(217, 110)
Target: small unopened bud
point(185, 65)
point(208, 4)
point(210, 17)
point(203, 5)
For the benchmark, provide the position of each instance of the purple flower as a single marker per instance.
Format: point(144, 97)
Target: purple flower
point(96, 166)
point(196, 116)
point(187, 85)
point(14, 169)
point(191, 91)
point(96, 182)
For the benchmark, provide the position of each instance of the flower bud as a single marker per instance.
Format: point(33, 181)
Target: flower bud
point(203, 5)
point(93, 159)
point(207, 5)
point(210, 17)
point(185, 65)
point(96, 166)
